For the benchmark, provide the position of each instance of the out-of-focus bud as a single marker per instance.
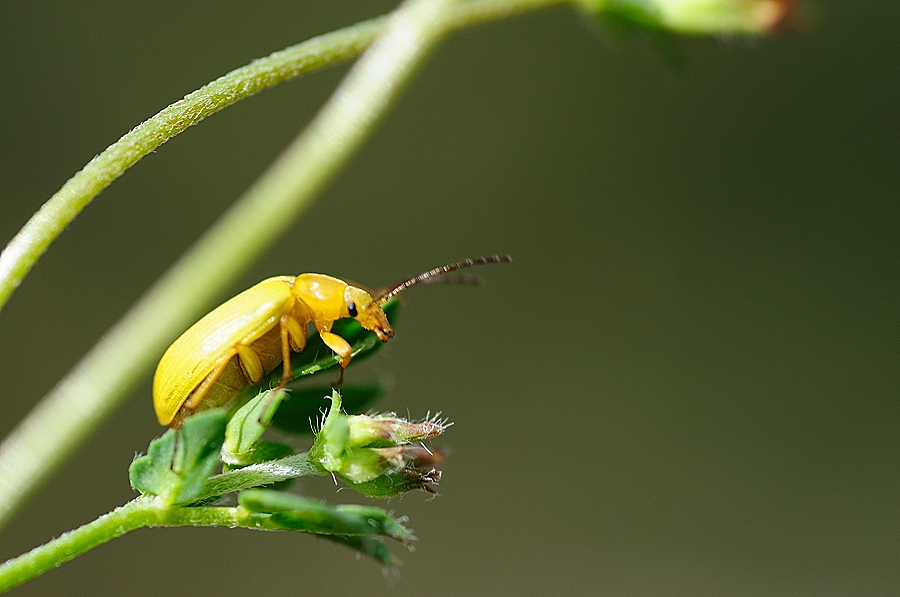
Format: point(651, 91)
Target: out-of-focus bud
point(698, 17)
point(374, 453)
point(723, 16)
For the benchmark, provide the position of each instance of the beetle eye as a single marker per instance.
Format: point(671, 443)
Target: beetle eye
point(351, 308)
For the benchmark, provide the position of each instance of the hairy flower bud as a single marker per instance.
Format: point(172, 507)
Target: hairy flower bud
point(389, 430)
point(375, 453)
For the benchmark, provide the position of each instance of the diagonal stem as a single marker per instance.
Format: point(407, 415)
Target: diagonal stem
point(352, 525)
point(33, 240)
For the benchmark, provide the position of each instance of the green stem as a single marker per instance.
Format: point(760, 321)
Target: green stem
point(33, 240)
point(101, 380)
point(133, 515)
point(145, 511)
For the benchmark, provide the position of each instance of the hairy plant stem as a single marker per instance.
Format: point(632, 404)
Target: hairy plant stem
point(101, 380)
point(137, 513)
point(143, 511)
point(30, 243)
point(147, 511)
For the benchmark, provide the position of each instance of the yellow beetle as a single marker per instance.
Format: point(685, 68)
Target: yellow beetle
point(245, 338)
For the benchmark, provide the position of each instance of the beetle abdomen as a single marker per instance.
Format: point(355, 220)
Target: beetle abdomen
point(209, 346)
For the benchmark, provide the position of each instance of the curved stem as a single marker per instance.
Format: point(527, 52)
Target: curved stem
point(33, 240)
point(135, 514)
point(145, 511)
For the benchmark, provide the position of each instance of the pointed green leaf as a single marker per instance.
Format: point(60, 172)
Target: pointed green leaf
point(247, 426)
point(179, 463)
point(294, 512)
point(260, 452)
point(367, 545)
point(328, 449)
point(398, 483)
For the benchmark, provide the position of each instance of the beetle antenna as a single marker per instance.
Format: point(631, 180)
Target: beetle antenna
point(440, 271)
point(456, 280)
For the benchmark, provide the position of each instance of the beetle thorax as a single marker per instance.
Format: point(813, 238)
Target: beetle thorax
point(329, 299)
point(323, 296)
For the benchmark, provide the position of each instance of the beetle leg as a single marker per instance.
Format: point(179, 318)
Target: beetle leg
point(292, 336)
point(250, 364)
point(341, 347)
point(296, 332)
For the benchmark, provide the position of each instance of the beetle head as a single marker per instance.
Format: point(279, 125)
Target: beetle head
point(360, 305)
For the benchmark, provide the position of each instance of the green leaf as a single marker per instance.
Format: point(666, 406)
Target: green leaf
point(331, 441)
point(261, 452)
point(294, 512)
point(398, 483)
point(247, 425)
point(620, 17)
point(305, 405)
point(179, 463)
point(367, 545)
point(269, 472)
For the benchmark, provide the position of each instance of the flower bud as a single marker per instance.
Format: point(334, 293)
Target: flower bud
point(365, 464)
point(374, 453)
point(388, 430)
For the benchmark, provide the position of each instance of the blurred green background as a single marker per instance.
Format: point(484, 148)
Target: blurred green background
point(686, 384)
